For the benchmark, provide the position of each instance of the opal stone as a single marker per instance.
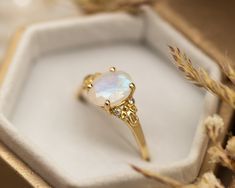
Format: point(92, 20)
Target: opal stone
point(112, 86)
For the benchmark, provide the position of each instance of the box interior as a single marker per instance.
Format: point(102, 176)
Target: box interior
point(80, 141)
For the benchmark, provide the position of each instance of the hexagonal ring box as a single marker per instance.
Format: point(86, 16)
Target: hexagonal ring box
point(71, 144)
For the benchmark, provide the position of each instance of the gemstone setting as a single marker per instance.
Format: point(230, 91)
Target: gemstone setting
point(112, 86)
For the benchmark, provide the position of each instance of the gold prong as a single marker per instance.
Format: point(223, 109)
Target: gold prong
point(107, 105)
point(80, 95)
point(112, 69)
point(89, 86)
point(132, 86)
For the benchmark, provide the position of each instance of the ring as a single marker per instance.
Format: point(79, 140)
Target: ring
point(113, 91)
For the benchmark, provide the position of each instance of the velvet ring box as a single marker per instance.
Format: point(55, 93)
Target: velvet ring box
point(71, 144)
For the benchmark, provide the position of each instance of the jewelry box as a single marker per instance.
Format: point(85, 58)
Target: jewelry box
point(70, 144)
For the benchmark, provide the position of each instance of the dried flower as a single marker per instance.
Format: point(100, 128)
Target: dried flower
point(219, 155)
point(230, 148)
point(214, 127)
point(201, 78)
point(208, 180)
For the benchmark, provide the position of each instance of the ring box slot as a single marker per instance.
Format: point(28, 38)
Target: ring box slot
point(72, 144)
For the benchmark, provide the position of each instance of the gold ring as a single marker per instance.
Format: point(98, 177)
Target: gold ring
point(113, 91)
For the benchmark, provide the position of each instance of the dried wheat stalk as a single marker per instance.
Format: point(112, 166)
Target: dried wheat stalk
point(214, 124)
point(95, 6)
point(162, 179)
point(201, 78)
point(208, 180)
point(225, 157)
point(228, 70)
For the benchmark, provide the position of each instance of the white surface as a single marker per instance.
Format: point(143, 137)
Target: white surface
point(71, 133)
point(73, 144)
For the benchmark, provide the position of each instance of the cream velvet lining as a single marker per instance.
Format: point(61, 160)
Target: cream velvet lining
point(72, 144)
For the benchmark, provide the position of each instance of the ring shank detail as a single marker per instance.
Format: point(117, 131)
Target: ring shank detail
point(128, 114)
point(139, 136)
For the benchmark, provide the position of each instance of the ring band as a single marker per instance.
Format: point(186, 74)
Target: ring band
point(113, 91)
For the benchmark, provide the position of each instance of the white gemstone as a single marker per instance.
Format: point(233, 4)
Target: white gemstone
point(112, 86)
point(117, 111)
point(132, 101)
